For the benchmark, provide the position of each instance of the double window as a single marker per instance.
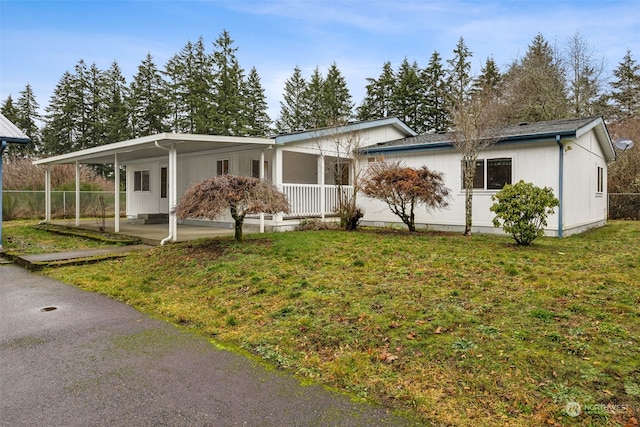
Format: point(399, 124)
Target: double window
point(600, 180)
point(491, 174)
point(141, 180)
point(222, 167)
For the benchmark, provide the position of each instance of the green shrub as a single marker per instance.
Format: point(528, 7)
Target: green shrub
point(522, 210)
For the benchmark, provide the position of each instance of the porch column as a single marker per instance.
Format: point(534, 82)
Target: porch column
point(116, 200)
point(47, 193)
point(323, 196)
point(173, 192)
point(276, 159)
point(77, 194)
point(261, 169)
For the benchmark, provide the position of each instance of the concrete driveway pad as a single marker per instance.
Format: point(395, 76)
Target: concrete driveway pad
point(74, 358)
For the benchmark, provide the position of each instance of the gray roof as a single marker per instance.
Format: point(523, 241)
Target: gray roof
point(10, 132)
point(569, 128)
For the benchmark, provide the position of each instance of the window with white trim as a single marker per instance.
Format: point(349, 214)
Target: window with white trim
point(141, 180)
point(491, 174)
point(600, 180)
point(222, 167)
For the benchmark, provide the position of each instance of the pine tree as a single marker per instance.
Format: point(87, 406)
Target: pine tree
point(490, 78)
point(26, 120)
point(437, 116)
point(535, 85)
point(377, 103)
point(117, 114)
point(146, 101)
point(314, 101)
point(189, 86)
point(293, 113)
point(408, 100)
point(336, 99)
point(626, 89)
point(459, 74)
point(60, 132)
point(255, 107)
point(228, 83)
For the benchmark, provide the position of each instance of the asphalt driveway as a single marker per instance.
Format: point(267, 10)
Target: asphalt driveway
point(74, 358)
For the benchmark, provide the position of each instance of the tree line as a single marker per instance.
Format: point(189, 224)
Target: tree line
point(209, 92)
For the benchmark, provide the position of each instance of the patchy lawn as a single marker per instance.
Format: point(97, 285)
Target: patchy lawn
point(450, 329)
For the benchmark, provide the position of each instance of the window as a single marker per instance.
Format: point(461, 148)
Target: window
point(341, 174)
point(163, 183)
point(491, 174)
point(600, 180)
point(141, 180)
point(222, 167)
point(255, 169)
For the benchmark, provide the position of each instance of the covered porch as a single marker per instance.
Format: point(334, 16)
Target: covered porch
point(159, 168)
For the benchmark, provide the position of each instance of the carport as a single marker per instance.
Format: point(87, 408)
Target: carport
point(154, 146)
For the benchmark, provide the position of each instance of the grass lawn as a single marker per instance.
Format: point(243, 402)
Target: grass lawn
point(453, 330)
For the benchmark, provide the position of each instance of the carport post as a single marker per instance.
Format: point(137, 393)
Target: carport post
point(47, 193)
point(116, 200)
point(3, 145)
point(77, 194)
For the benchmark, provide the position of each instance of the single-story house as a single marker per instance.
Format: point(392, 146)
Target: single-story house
point(303, 165)
point(311, 167)
point(569, 156)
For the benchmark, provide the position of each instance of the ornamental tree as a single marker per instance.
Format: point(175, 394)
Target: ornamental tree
point(239, 195)
point(522, 209)
point(403, 188)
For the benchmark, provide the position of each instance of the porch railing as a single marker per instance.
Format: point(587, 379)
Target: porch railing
point(307, 200)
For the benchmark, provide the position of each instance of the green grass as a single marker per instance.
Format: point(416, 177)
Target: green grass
point(450, 329)
point(28, 238)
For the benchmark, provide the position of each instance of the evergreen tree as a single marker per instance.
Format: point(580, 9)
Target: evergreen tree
point(79, 105)
point(228, 81)
point(189, 98)
point(293, 113)
point(336, 99)
point(60, 132)
point(9, 110)
point(117, 114)
point(377, 103)
point(408, 100)
point(255, 107)
point(147, 103)
point(26, 120)
point(95, 107)
point(490, 78)
point(459, 74)
point(437, 117)
point(535, 85)
point(314, 101)
point(626, 89)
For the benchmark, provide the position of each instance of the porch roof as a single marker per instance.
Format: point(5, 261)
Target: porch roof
point(146, 147)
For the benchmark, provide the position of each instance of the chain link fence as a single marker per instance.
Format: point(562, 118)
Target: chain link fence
point(19, 204)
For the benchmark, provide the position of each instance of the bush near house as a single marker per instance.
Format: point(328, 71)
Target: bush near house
point(522, 210)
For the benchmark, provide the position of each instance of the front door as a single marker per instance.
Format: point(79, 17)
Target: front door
point(164, 190)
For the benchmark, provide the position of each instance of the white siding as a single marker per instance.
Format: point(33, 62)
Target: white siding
point(583, 206)
point(537, 163)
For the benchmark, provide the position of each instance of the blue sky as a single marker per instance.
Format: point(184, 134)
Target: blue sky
point(40, 40)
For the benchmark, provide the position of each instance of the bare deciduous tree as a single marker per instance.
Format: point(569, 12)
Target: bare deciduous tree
point(474, 122)
point(403, 188)
point(239, 195)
